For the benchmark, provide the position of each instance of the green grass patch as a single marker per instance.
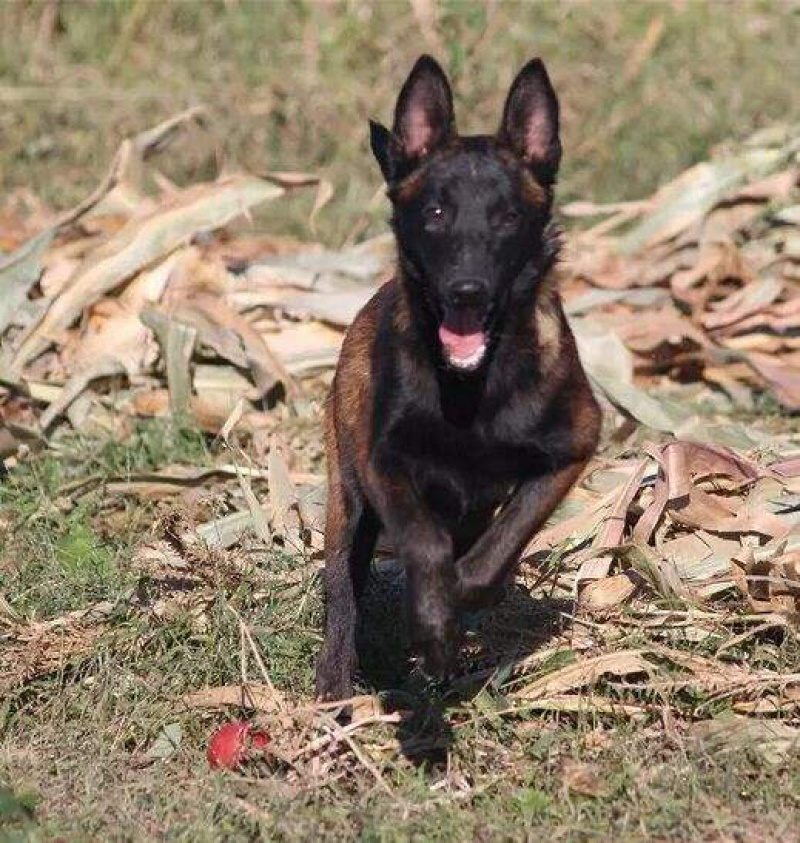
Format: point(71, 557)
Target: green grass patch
point(60, 550)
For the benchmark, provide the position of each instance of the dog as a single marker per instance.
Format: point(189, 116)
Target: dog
point(459, 415)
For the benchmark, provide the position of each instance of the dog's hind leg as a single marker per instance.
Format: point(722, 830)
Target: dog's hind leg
point(351, 531)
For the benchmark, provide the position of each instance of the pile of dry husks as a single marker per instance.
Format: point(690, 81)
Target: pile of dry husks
point(686, 307)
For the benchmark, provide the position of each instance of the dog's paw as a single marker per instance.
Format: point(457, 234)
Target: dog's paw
point(439, 651)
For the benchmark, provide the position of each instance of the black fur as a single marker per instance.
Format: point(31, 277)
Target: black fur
point(421, 443)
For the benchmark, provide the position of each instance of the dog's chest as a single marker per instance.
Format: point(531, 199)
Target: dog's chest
point(465, 456)
point(463, 472)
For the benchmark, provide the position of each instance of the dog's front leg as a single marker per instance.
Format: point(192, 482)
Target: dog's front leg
point(484, 569)
point(425, 547)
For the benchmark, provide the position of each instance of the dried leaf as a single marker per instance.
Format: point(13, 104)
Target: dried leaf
point(577, 528)
point(282, 494)
point(585, 673)
point(306, 347)
point(607, 593)
point(771, 585)
point(776, 742)
point(19, 271)
point(594, 568)
point(585, 779)
point(613, 525)
point(250, 696)
point(177, 344)
point(141, 242)
point(167, 743)
point(588, 704)
point(685, 201)
point(784, 379)
point(324, 195)
point(609, 366)
point(259, 517)
point(227, 531)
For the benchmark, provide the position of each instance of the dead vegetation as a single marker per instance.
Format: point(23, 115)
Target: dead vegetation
point(675, 556)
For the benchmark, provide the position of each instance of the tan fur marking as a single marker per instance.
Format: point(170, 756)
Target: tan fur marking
point(335, 516)
point(401, 316)
point(408, 188)
point(586, 421)
point(548, 327)
point(349, 407)
point(532, 190)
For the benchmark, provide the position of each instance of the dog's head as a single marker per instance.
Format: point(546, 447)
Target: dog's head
point(470, 212)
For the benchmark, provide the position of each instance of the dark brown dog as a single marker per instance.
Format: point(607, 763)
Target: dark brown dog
point(460, 415)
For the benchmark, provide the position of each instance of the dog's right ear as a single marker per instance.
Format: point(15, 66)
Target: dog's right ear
point(423, 120)
point(423, 117)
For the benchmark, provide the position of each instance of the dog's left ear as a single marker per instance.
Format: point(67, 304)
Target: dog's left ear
point(530, 121)
point(423, 120)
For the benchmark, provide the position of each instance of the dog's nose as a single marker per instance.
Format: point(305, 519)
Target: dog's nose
point(467, 292)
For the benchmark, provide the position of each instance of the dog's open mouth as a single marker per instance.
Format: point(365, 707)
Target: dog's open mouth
point(463, 336)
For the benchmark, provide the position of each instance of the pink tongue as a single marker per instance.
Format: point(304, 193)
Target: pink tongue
point(461, 333)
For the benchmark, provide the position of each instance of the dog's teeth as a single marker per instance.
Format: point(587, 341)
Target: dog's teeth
point(469, 362)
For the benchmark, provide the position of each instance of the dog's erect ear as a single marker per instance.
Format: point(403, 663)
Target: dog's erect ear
point(423, 120)
point(423, 117)
point(385, 148)
point(530, 121)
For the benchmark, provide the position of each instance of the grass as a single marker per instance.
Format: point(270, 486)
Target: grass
point(76, 741)
point(75, 554)
point(290, 87)
point(647, 88)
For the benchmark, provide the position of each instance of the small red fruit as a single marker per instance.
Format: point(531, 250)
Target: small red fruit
point(232, 744)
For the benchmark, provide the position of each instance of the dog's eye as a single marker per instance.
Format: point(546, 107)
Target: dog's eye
point(433, 215)
point(511, 217)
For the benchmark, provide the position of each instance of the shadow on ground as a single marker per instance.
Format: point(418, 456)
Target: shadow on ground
point(518, 626)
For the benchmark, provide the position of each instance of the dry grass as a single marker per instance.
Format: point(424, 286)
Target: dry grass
point(575, 726)
point(641, 680)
